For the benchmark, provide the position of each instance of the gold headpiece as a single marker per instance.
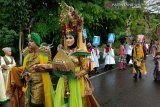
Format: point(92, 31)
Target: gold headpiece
point(71, 21)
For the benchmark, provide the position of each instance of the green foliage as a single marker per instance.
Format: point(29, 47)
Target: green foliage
point(92, 12)
point(7, 38)
point(48, 26)
point(16, 15)
point(116, 46)
point(42, 28)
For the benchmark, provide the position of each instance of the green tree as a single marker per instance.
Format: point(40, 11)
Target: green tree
point(16, 15)
point(22, 16)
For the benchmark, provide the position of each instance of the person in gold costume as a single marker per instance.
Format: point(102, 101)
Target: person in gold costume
point(39, 91)
point(139, 66)
point(71, 65)
point(30, 85)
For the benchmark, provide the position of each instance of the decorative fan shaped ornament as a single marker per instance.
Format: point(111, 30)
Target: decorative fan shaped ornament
point(61, 60)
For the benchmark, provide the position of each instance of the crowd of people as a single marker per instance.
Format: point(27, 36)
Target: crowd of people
point(131, 53)
point(30, 85)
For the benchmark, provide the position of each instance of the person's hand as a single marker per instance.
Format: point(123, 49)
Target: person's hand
point(46, 66)
point(78, 76)
point(4, 66)
point(60, 67)
point(36, 67)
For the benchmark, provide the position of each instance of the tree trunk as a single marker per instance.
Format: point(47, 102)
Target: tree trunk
point(20, 47)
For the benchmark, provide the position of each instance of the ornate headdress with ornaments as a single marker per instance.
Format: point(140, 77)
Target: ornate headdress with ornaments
point(71, 22)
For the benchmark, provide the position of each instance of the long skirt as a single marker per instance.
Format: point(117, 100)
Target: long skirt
point(14, 88)
point(3, 96)
point(74, 99)
point(5, 76)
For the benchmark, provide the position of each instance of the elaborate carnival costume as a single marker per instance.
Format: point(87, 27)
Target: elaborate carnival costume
point(39, 87)
point(139, 66)
point(3, 96)
point(156, 55)
point(17, 86)
point(70, 91)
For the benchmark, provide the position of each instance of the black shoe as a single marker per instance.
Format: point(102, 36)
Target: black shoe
point(155, 79)
point(140, 77)
point(135, 77)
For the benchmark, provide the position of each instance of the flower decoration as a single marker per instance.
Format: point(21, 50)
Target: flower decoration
point(69, 19)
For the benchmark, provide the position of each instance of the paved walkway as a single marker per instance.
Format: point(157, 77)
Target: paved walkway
point(119, 89)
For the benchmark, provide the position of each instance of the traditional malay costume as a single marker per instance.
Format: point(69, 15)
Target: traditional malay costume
point(139, 66)
point(39, 91)
point(71, 65)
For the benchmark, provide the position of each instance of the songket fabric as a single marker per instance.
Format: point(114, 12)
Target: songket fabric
point(14, 87)
point(40, 86)
point(138, 59)
point(73, 92)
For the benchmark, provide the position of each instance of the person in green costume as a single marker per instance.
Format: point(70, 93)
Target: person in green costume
point(71, 64)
